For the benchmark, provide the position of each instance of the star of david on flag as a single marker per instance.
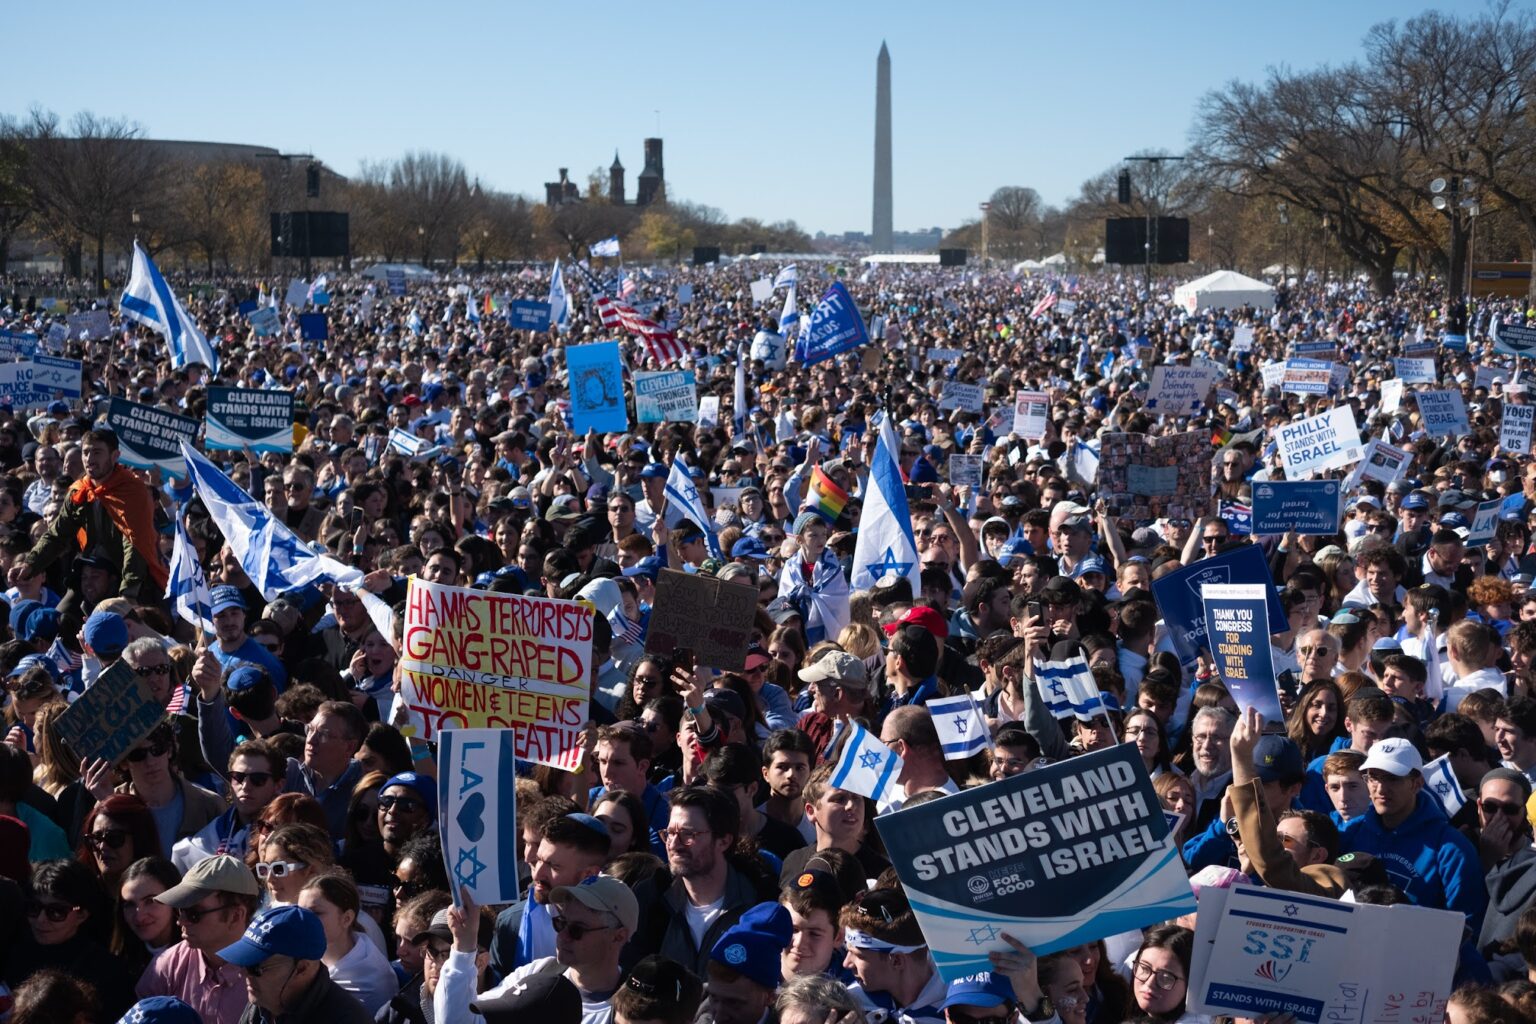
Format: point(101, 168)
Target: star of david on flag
point(1442, 784)
point(1069, 689)
point(867, 766)
point(962, 730)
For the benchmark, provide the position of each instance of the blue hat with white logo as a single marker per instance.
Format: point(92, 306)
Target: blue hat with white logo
point(984, 991)
point(752, 946)
point(278, 931)
point(225, 598)
point(160, 1010)
point(1093, 563)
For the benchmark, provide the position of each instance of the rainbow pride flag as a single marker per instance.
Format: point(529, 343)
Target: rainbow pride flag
point(824, 497)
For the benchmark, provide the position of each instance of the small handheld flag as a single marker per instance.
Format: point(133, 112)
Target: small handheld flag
point(961, 727)
point(824, 497)
point(867, 766)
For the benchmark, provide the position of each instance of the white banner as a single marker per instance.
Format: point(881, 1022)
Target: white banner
point(1326, 441)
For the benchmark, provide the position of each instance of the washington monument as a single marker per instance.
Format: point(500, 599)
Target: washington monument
point(880, 236)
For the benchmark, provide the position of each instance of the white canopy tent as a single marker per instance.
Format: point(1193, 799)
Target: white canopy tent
point(379, 271)
point(1223, 289)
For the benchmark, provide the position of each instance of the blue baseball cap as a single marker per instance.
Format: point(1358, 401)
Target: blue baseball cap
point(278, 931)
point(752, 946)
point(1454, 520)
point(19, 612)
point(34, 661)
point(984, 990)
point(649, 567)
point(1093, 563)
point(225, 598)
point(160, 1010)
point(422, 786)
point(1414, 500)
point(246, 677)
point(654, 471)
point(749, 547)
point(106, 634)
point(40, 624)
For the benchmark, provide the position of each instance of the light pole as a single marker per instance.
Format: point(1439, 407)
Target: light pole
point(1283, 208)
point(1150, 244)
point(421, 238)
point(1453, 197)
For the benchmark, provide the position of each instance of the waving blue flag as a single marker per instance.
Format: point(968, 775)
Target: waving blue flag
point(559, 298)
point(885, 544)
point(834, 326)
point(148, 300)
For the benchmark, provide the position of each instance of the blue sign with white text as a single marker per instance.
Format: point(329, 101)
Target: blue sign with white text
point(1179, 598)
point(835, 326)
point(1306, 506)
point(528, 315)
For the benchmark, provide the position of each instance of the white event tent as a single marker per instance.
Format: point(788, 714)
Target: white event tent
point(1223, 289)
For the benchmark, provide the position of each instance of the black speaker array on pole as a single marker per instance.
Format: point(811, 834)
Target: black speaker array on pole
point(316, 235)
point(1125, 240)
point(951, 257)
point(704, 254)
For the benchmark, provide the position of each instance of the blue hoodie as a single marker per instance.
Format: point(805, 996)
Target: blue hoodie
point(1425, 857)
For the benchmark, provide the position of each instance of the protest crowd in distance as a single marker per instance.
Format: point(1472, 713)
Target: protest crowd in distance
point(813, 643)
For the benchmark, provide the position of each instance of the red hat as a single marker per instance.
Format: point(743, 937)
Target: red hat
point(921, 615)
point(411, 400)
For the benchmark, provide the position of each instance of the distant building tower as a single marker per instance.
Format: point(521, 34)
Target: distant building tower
point(558, 193)
point(652, 186)
point(616, 181)
point(881, 238)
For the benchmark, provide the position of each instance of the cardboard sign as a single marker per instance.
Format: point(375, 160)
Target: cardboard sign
point(1030, 412)
point(90, 325)
point(1179, 390)
point(1237, 628)
point(1179, 596)
point(1415, 371)
point(762, 288)
point(1056, 857)
point(237, 417)
point(1515, 428)
point(712, 618)
point(965, 471)
point(528, 315)
point(966, 397)
point(1443, 413)
point(111, 717)
point(1142, 477)
point(1325, 441)
point(475, 659)
point(477, 812)
point(665, 395)
point(596, 375)
point(1306, 506)
point(1391, 394)
point(150, 438)
point(1242, 338)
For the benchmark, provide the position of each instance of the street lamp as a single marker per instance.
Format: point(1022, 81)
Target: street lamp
point(421, 237)
point(1454, 197)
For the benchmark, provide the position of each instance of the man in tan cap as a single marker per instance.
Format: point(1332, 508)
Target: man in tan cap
point(214, 903)
point(840, 690)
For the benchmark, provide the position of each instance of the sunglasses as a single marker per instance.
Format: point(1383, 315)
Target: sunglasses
point(437, 954)
point(1499, 806)
point(111, 839)
point(405, 804)
point(144, 671)
point(157, 749)
point(564, 926)
point(55, 912)
point(279, 869)
point(192, 915)
point(254, 778)
point(257, 970)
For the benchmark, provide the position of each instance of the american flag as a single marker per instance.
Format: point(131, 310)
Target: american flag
point(1044, 305)
point(627, 286)
point(660, 342)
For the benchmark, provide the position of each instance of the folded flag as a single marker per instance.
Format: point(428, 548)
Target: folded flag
point(1441, 782)
point(824, 497)
point(867, 766)
point(962, 730)
point(1068, 689)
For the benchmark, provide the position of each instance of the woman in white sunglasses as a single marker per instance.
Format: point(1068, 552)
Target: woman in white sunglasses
point(290, 857)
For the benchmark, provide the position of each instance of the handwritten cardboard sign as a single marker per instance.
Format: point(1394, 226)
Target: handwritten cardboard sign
point(712, 618)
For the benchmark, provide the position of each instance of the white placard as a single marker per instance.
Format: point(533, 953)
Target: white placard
point(960, 395)
point(1273, 374)
point(761, 289)
point(1487, 375)
point(965, 471)
point(1030, 413)
point(945, 355)
point(1326, 441)
point(684, 294)
point(1179, 390)
point(1515, 428)
point(1444, 414)
point(1242, 338)
point(298, 293)
point(709, 412)
point(1391, 394)
point(1415, 371)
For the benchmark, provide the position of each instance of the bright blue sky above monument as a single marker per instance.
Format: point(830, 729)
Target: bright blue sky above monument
point(767, 110)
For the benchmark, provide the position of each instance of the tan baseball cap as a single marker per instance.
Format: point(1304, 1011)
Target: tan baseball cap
point(219, 873)
point(838, 667)
point(605, 895)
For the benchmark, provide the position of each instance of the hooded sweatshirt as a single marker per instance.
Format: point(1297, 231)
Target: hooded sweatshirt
point(1425, 857)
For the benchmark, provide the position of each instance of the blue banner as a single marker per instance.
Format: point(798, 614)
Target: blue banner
point(596, 375)
point(314, 327)
point(834, 327)
point(258, 417)
point(528, 315)
point(1454, 342)
point(1514, 339)
point(1179, 598)
point(1237, 623)
point(149, 438)
point(18, 344)
point(1306, 506)
point(1056, 857)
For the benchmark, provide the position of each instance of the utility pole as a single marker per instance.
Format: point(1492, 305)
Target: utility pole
point(1150, 244)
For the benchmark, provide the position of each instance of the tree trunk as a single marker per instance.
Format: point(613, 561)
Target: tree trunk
point(1382, 280)
point(101, 265)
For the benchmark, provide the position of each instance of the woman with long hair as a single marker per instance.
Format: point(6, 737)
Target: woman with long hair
point(1160, 972)
point(1144, 730)
point(1317, 719)
point(662, 721)
point(1177, 795)
point(647, 681)
point(57, 766)
point(143, 926)
point(291, 856)
point(363, 811)
point(1108, 994)
point(355, 963)
point(118, 831)
point(629, 829)
point(69, 920)
point(285, 809)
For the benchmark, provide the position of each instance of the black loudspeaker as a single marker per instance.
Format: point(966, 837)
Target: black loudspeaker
point(1123, 187)
point(319, 235)
point(1125, 240)
point(951, 257)
point(758, 249)
point(703, 254)
point(1173, 239)
point(312, 181)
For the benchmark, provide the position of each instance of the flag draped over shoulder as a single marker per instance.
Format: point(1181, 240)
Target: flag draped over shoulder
point(148, 300)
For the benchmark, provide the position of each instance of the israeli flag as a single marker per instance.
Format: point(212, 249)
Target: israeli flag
point(789, 320)
point(885, 543)
point(867, 767)
point(408, 444)
point(148, 300)
point(739, 395)
point(684, 502)
point(1441, 783)
point(1068, 689)
point(186, 586)
point(608, 247)
point(471, 309)
point(786, 278)
point(559, 298)
point(414, 322)
point(962, 730)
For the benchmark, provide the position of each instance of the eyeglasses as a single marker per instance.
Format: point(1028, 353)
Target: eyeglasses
point(1498, 806)
point(279, 869)
point(111, 839)
point(257, 970)
point(404, 890)
point(437, 954)
point(1291, 842)
point(320, 735)
point(152, 670)
point(192, 915)
point(683, 836)
point(1214, 538)
point(157, 749)
point(1163, 981)
point(565, 926)
point(404, 804)
point(55, 912)
point(957, 1014)
point(254, 778)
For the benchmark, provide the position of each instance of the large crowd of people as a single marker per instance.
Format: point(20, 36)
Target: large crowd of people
point(269, 852)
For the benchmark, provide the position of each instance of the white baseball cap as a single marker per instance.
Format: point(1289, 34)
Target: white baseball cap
point(1395, 755)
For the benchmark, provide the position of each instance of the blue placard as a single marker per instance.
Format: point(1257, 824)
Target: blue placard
point(1178, 595)
point(1514, 339)
point(56, 377)
point(1239, 518)
point(1454, 342)
point(264, 322)
point(596, 374)
point(18, 344)
point(314, 327)
point(150, 438)
point(1237, 623)
point(666, 395)
point(1306, 506)
point(1029, 855)
point(528, 315)
point(834, 327)
point(247, 307)
point(396, 281)
point(256, 417)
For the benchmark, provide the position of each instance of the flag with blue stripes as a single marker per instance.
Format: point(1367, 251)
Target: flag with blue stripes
point(471, 309)
point(148, 300)
point(684, 502)
point(186, 587)
point(608, 247)
point(786, 278)
point(1068, 689)
point(1441, 783)
point(789, 319)
point(885, 544)
point(867, 766)
point(962, 730)
point(410, 445)
point(559, 298)
point(739, 395)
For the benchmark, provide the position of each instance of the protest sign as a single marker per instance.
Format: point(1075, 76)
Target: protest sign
point(709, 412)
point(1325, 441)
point(16, 386)
point(1515, 428)
point(1443, 413)
point(712, 618)
point(1306, 506)
point(1179, 390)
point(1514, 340)
point(1030, 410)
point(945, 355)
point(962, 396)
point(238, 417)
point(314, 327)
point(477, 812)
point(665, 395)
point(1143, 478)
point(298, 293)
point(1237, 626)
point(1327, 351)
point(1485, 522)
point(1391, 394)
point(1066, 307)
point(1272, 374)
point(54, 340)
point(1426, 350)
point(1265, 951)
point(834, 326)
point(18, 344)
point(1242, 338)
point(965, 471)
point(90, 325)
point(1307, 377)
point(263, 321)
point(1414, 371)
point(684, 294)
point(762, 288)
point(528, 315)
point(1379, 461)
point(150, 438)
point(475, 659)
point(1238, 517)
point(111, 717)
point(1178, 595)
point(53, 377)
point(1487, 376)
point(597, 387)
point(396, 281)
point(1056, 857)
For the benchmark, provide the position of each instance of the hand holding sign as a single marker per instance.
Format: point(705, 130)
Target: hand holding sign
point(1021, 967)
point(464, 922)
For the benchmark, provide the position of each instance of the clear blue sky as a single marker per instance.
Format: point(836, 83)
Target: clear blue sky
point(767, 109)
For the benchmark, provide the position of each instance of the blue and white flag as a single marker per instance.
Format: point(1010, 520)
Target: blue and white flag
point(409, 445)
point(684, 502)
point(186, 587)
point(1069, 689)
point(867, 767)
point(739, 395)
point(148, 300)
point(607, 247)
point(559, 298)
point(414, 322)
point(1441, 783)
point(885, 544)
point(789, 319)
point(471, 309)
point(786, 278)
point(962, 730)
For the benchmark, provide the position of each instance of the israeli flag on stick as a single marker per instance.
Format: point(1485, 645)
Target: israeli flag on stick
point(867, 767)
point(1068, 689)
point(739, 395)
point(962, 730)
point(471, 309)
point(684, 502)
point(790, 318)
point(1434, 683)
point(1441, 783)
point(559, 298)
point(786, 278)
point(408, 444)
point(186, 586)
point(148, 300)
point(885, 544)
point(608, 247)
